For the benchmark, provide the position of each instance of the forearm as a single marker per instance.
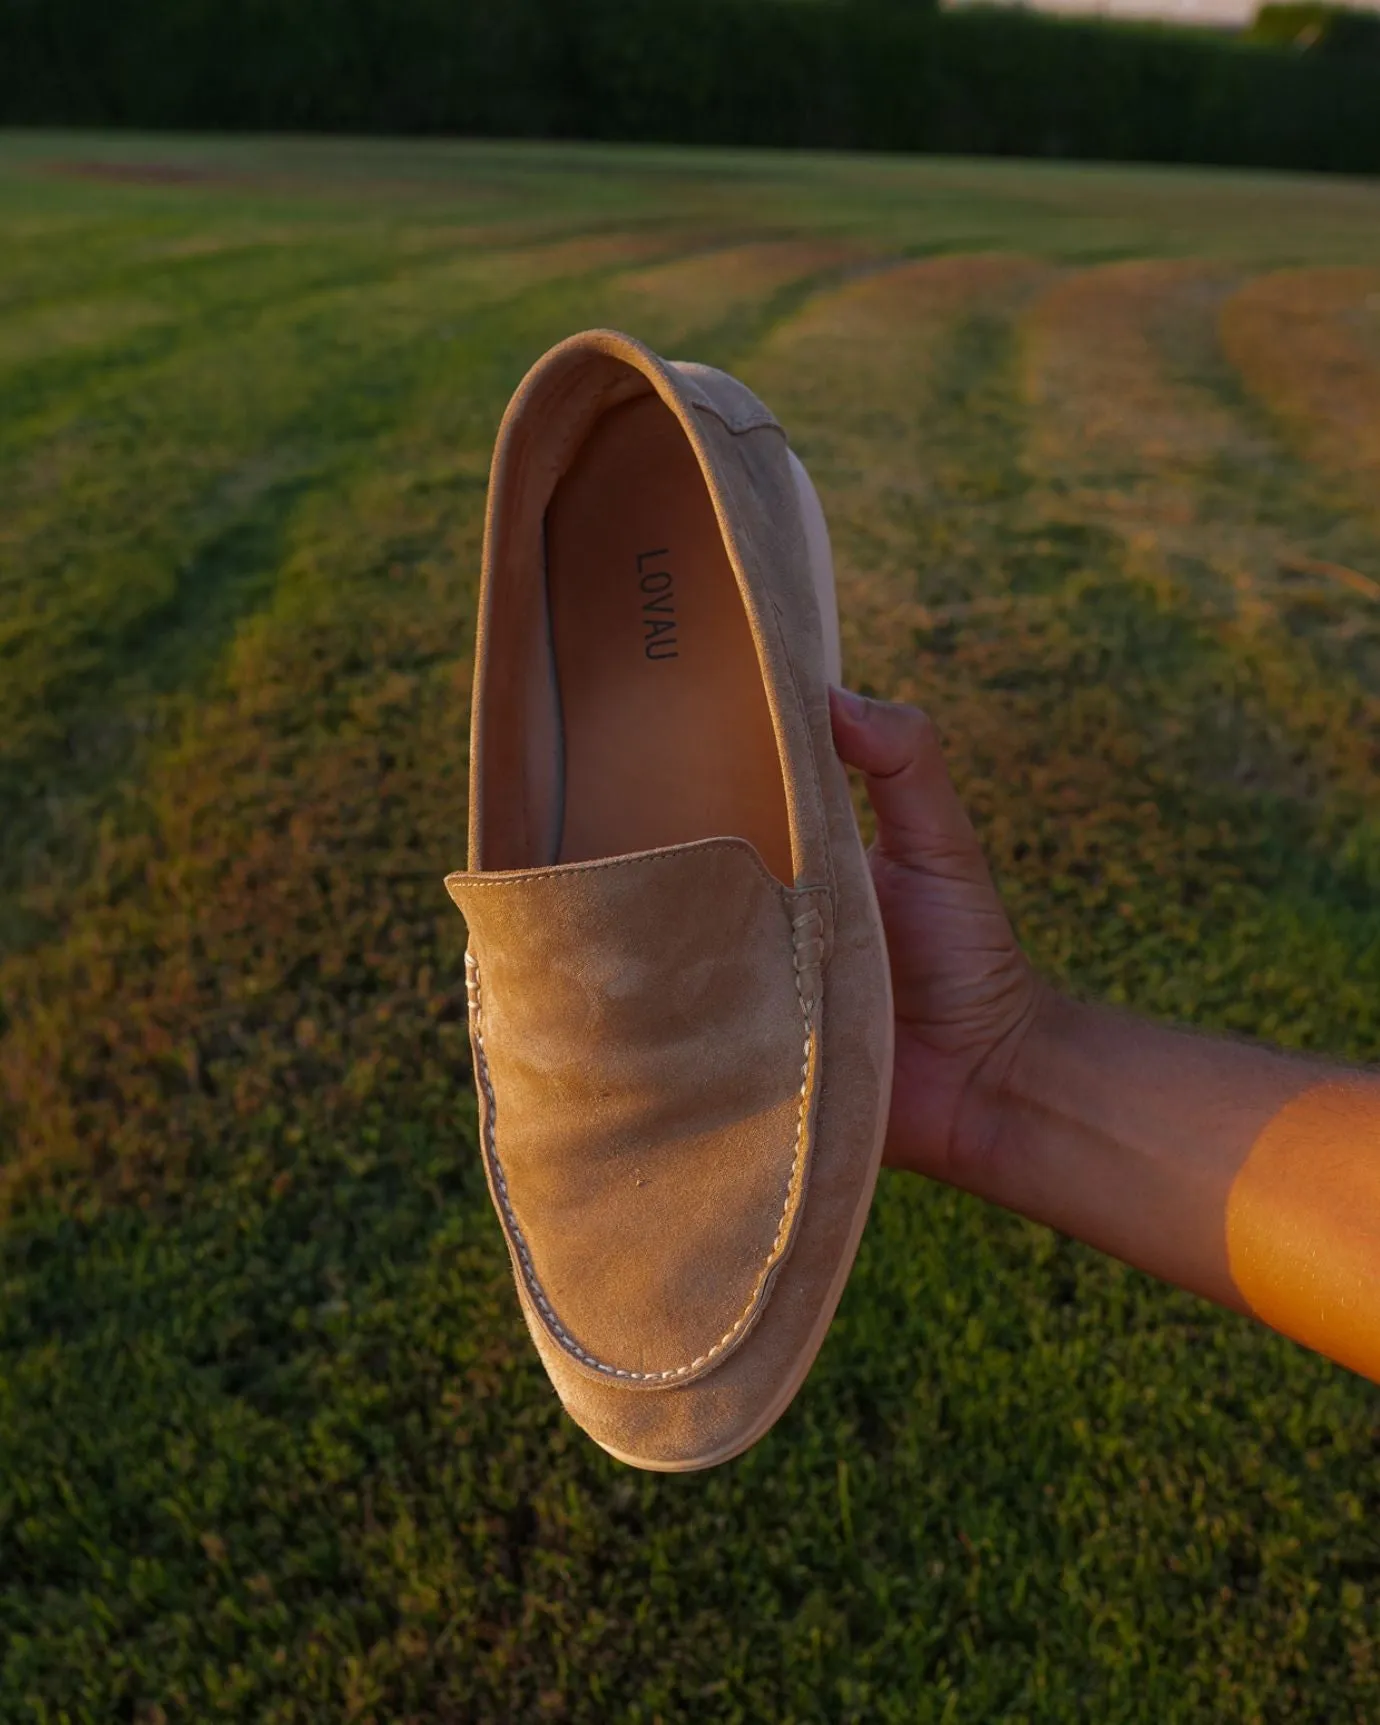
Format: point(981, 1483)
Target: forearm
point(1246, 1175)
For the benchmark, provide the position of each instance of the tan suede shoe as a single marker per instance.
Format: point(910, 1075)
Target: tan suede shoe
point(680, 1006)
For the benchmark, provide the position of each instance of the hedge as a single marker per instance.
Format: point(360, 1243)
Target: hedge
point(826, 73)
point(1313, 26)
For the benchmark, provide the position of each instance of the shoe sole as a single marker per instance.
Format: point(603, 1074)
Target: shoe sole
point(822, 577)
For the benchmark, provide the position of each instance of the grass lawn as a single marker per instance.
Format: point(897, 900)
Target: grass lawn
point(1101, 451)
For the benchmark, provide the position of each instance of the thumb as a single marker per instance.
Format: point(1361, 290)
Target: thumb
point(920, 821)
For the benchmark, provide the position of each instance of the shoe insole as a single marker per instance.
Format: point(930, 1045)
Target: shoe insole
point(667, 732)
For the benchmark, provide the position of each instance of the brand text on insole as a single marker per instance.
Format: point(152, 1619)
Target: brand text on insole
point(659, 638)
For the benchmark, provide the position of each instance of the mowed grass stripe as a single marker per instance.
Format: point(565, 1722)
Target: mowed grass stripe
point(1022, 571)
point(1307, 343)
point(721, 301)
point(879, 385)
point(1209, 747)
point(84, 218)
point(385, 286)
point(60, 359)
point(1074, 587)
point(1210, 511)
point(1108, 413)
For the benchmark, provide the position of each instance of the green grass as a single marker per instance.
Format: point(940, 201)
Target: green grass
point(273, 1445)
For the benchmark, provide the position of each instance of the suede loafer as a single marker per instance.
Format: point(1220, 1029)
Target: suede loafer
point(680, 1008)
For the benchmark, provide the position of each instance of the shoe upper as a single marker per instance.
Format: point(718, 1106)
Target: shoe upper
point(646, 1048)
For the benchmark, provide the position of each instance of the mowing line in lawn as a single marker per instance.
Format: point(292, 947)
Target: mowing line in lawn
point(1307, 344)
point(712, 307)
point(1208, 507)
point(886, 386)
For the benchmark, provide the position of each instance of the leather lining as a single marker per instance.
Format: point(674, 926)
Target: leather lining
point(668, 735)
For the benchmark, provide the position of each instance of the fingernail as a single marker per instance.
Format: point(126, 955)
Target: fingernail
point(855, 706)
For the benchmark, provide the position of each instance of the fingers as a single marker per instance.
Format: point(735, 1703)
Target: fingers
point(920, 821)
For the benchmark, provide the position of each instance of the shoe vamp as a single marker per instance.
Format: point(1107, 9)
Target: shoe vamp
point(646, 1052)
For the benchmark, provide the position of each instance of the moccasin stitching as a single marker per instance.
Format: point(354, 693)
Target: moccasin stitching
point(806, 933)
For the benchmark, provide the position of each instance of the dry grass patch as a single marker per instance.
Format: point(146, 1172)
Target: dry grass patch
point(1129, 429)
point(1104, 405)
point(49, 330)
point(1305, 342)
point(515, 267)
point(681, 298)
point(861, 377)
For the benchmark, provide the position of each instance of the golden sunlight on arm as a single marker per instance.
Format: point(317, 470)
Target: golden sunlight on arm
point(1303, 1223)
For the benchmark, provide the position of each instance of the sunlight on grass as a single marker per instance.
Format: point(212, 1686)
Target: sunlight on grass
point(1305, 342)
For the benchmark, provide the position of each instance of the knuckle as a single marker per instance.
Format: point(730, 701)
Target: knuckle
point(921, 731)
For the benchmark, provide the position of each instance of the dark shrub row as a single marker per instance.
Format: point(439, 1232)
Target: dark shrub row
point(1314, 27)
point(848, 73)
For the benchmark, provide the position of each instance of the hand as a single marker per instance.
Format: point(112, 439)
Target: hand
point(966, 996)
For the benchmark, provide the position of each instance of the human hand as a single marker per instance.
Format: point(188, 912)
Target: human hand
point(965, 994)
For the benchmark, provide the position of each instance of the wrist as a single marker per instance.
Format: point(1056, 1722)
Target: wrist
point(1108, 1128)
point(992, 1143)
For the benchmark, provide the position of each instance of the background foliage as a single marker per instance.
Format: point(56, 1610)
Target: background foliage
point(1100, 454)
point(858, 74)
point(1314, 27)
